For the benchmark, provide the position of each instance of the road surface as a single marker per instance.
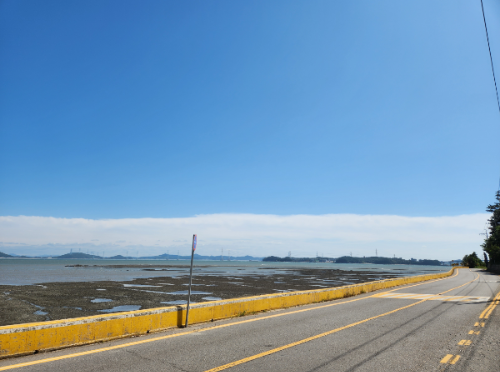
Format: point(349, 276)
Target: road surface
point(450, 324)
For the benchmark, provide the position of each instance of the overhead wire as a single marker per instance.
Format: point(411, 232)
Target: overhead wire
point(491, 61)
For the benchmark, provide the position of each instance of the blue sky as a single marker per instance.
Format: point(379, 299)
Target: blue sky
point(167, 109)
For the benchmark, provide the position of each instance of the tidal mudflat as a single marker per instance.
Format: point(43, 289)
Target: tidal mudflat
point(62, 300)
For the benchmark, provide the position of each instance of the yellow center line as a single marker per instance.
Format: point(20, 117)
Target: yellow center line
point(486, 313)
point(447, 358)
point(406, 296)
point(495, 303)
point(491, 310)
point(129, 344)
point(410, 296)
point(455, 298)
point(293, 344)
point(396, 295)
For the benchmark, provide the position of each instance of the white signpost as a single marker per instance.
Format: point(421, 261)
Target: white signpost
point(190, 277)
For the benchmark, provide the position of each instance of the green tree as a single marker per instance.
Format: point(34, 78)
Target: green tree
point(472, 260)
point(492, 242)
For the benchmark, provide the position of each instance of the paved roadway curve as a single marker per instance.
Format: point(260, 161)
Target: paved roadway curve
point(450, 324)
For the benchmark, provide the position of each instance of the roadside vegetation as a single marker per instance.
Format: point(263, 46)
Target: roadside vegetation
point(491, 245)
point(472, 261)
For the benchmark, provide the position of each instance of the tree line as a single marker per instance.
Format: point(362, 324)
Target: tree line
point(491, 245)
point(349, 259)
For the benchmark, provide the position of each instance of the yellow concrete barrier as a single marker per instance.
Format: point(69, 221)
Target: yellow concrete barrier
point(22, 339)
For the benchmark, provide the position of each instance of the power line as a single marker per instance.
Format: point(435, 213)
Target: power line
point(492, 66)
point(491, 58)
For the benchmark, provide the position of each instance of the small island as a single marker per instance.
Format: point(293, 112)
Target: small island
point(356, 260)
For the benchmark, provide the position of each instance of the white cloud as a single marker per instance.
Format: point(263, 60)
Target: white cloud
point(448, 237)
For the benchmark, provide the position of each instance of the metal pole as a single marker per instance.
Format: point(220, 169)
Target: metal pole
point(190, 279)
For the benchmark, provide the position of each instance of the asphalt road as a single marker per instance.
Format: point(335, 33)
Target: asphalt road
point(451, 324)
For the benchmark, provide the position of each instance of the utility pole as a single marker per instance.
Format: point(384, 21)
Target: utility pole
point(193, 248)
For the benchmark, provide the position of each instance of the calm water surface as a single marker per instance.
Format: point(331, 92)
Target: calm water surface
point(36, 271)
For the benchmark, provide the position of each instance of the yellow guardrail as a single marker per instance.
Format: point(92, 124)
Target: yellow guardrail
point(22, 339)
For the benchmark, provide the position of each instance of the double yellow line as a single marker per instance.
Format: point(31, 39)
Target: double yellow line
point(269, 352)
point(129, 344)
point(486, 313)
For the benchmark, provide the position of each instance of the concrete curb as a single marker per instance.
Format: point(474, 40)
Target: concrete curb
point(22, 339)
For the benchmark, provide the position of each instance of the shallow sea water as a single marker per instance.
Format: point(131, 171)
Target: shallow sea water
point(35, 271)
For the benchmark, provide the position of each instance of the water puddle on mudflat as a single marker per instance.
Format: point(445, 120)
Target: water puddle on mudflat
point(140, 285)
point(209, 298)
point(186, 292)
point(38, 312)
point(121, 308)
point(145, 290)
point(100, 300)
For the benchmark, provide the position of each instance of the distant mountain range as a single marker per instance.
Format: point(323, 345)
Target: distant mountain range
point(171, 257)
point(80, 255)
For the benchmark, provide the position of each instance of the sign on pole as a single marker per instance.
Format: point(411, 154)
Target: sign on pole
point(190, 277)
